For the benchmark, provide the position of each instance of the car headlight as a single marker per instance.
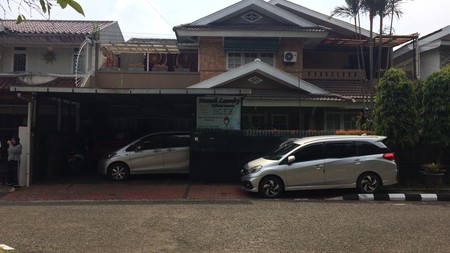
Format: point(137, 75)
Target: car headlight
point(111, 155)
point(255, 169)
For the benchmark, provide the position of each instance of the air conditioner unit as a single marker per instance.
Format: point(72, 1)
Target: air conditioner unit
point(290, 56)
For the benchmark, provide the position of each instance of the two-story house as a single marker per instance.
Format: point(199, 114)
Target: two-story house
point(252, 65)
point(40, 54)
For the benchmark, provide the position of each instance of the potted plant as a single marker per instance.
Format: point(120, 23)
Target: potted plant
point(434, 174)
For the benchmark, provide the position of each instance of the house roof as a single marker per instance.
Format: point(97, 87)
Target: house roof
point(264, 69)
point(319, 18)
point(230, 22)
point(6, 82)
point(31, 26)
point(291, 96)
point(49, 32)
point(428, 42)
point(258, 5)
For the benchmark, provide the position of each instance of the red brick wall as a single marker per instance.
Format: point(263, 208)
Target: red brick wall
point(212, 57)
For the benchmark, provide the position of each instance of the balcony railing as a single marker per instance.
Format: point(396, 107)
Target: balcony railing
point(333, 74)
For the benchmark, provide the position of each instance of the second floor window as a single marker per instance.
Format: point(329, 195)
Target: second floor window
point(20, 59)
point(237, 59)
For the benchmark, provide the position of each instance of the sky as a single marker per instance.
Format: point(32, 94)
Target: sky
point(156, 18)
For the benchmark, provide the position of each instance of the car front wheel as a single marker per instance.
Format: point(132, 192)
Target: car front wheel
point(271, 187)
point(369, 183)
point(118, 171)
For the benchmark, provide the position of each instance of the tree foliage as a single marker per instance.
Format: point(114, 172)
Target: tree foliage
point(395, 112)
point(26, 7)
point(435, 112)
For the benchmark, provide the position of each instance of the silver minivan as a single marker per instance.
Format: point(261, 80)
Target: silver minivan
point(322, 162)
point(154, 153)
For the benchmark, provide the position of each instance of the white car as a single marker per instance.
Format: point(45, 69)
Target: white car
point(322, 162)
point(151, 154)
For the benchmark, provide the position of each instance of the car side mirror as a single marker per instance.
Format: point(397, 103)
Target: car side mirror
point(291, 159)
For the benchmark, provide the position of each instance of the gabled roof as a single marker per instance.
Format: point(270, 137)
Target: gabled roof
point(226, 22)
point(259, 5)
point(427, 42)
point(264, 69)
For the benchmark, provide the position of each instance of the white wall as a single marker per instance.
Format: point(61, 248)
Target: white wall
point(62, 64)
point(429, 63)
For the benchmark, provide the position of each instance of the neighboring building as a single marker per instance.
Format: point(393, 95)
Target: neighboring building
point(252, 65)
point(41, 54)
point(426, 55)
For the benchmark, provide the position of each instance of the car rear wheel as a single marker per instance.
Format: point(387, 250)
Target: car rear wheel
point(369, 183)
point(271, 187)
point(118, 171)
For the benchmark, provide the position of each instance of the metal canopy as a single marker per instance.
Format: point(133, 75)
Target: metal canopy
point(387, 41)
point(133, 48)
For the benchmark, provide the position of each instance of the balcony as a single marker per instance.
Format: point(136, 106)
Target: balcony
point(144, 80)
point(333, 74)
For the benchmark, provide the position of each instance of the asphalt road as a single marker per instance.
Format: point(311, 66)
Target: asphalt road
point(226, 226)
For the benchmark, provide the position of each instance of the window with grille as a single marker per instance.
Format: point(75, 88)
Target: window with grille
point(237, 59)
point(20, 59)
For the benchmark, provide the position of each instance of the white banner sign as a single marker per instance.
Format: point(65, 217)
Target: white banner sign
point(219, 113)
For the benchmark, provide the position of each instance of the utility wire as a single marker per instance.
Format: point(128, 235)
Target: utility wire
point(157, 12)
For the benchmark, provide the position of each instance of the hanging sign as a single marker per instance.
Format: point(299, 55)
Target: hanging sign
point(219, 113)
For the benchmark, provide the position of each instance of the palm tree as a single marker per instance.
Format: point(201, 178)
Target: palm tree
point(393, 11)
point(351, 10)
point(370, 6)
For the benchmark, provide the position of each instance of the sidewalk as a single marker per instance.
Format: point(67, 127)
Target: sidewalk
point(119, 191)
point(184, 190)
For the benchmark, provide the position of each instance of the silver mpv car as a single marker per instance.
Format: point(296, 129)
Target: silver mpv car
point(322, 162)
point(154, 153)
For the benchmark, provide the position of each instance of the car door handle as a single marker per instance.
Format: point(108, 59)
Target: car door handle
point(318, 167)
point(357, 161)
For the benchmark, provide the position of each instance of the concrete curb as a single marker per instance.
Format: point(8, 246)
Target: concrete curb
point(396, 197)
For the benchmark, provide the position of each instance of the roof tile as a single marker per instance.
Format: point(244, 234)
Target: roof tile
point(31, 26)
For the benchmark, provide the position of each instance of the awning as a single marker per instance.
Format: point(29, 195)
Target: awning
point(238, 44)
point(131, 91)
point(387, 41)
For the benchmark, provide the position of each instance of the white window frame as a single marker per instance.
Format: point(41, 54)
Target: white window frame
point(262, 55)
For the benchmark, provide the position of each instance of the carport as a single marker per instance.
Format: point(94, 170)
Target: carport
point(62, 120)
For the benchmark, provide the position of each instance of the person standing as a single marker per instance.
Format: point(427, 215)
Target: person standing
point(14, 153)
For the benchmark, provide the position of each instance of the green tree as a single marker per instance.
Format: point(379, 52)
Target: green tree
point(41, 6)
point(435, 112)
point(395, 111)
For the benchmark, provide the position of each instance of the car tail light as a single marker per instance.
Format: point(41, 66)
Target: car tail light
point(389, 156)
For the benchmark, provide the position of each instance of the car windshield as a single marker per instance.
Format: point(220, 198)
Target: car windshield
point(282, 150)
